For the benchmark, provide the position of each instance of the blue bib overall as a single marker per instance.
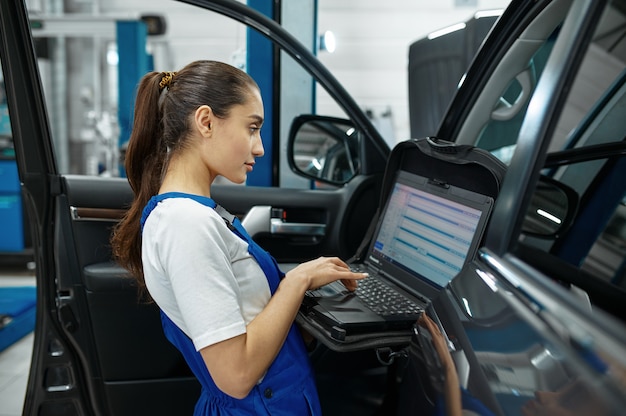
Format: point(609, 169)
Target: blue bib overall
point(288, 387)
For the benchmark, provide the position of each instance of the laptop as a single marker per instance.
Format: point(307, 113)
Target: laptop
point(425, 235)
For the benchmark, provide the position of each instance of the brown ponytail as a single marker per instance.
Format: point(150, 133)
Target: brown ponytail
point(163, 108)
point(144, 160)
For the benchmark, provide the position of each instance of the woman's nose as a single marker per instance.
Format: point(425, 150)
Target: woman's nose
point(257, 148)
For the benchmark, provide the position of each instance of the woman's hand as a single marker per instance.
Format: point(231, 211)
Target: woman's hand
point(324, 270)
point(452, 390)
point(236, 364)
point(439, 342)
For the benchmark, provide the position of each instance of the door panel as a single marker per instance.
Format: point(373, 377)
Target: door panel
point(118, 338)
point(345, 214)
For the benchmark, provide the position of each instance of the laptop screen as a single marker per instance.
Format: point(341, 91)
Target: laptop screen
point(428, 228)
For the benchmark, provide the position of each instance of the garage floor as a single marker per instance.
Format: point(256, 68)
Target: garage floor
point(15, 360)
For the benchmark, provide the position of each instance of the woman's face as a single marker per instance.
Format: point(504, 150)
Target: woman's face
point(238, 140)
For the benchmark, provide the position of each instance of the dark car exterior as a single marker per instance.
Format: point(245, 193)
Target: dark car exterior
point(520, 328)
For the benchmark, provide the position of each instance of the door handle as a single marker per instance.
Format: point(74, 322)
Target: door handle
point(260, 220)
point(278, 226)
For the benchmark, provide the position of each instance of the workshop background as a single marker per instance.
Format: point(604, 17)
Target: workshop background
point(370, 59)
point(91, 53)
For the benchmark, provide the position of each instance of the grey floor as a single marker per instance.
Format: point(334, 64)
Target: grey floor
point(15, 360)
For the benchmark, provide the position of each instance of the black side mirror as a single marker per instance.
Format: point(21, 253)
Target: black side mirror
point(552, 209)
point(324, 149)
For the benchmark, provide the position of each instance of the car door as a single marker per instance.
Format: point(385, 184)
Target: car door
point(573, 137)
point(539, 311)
point(98, 348)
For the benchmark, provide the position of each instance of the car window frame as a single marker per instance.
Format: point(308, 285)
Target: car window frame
point(536, 131)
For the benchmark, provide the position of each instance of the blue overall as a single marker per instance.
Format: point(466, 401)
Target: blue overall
point(288, 387)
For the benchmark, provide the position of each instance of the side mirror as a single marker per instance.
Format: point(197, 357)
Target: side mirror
point(552, 209)
point(324, 149)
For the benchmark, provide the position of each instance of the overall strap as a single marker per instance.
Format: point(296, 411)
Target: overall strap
point(154, 201)
point(266, 261)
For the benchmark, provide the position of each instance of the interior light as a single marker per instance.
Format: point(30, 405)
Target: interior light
point(328, 42)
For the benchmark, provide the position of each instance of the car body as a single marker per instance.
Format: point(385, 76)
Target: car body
point(534, 311)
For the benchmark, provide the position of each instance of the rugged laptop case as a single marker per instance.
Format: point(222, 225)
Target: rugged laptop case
point(464, 166)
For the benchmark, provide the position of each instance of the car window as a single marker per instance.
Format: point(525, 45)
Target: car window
point(495, 121)
point(605, 259)
point(586, 156)
point(500, 133)
point(89, 80)
point(595, 240)
point(6, 142)
point(91, 107)
point(576, 216)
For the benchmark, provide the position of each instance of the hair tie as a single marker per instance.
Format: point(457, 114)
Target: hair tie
point(166, 80)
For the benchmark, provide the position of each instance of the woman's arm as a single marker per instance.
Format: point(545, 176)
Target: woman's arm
point(452, 390)
point(237, 364)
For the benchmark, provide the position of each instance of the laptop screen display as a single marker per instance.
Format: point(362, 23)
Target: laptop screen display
point(427, 232)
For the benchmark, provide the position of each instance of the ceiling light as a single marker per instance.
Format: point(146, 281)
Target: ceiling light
point(328, 42)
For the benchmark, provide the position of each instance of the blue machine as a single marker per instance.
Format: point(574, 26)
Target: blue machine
point(11, 217)
point(133, 64)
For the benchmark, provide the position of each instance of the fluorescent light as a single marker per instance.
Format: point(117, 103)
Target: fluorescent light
point(328, 42)
point(445, 31)
point(488, 13)
point(549, 216)
point(112, 56)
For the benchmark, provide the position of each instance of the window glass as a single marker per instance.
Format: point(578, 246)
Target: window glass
point(500, 133)
point(578, 210)
point(6, 141)
point(89, 80)
point(89, 83)
point(593, 116)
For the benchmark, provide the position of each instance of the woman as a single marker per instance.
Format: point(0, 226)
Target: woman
point(224, 303)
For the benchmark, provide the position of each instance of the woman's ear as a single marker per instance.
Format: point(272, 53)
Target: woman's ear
point(203, 119)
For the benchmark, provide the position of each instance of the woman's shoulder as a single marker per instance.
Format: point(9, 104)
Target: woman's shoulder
point(186, 211)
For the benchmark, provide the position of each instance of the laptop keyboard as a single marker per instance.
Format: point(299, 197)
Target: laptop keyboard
point(383, 300)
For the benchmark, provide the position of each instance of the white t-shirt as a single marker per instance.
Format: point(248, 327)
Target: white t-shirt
point(200, 273)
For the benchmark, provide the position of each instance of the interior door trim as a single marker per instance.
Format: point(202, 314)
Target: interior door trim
point(96, 214)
